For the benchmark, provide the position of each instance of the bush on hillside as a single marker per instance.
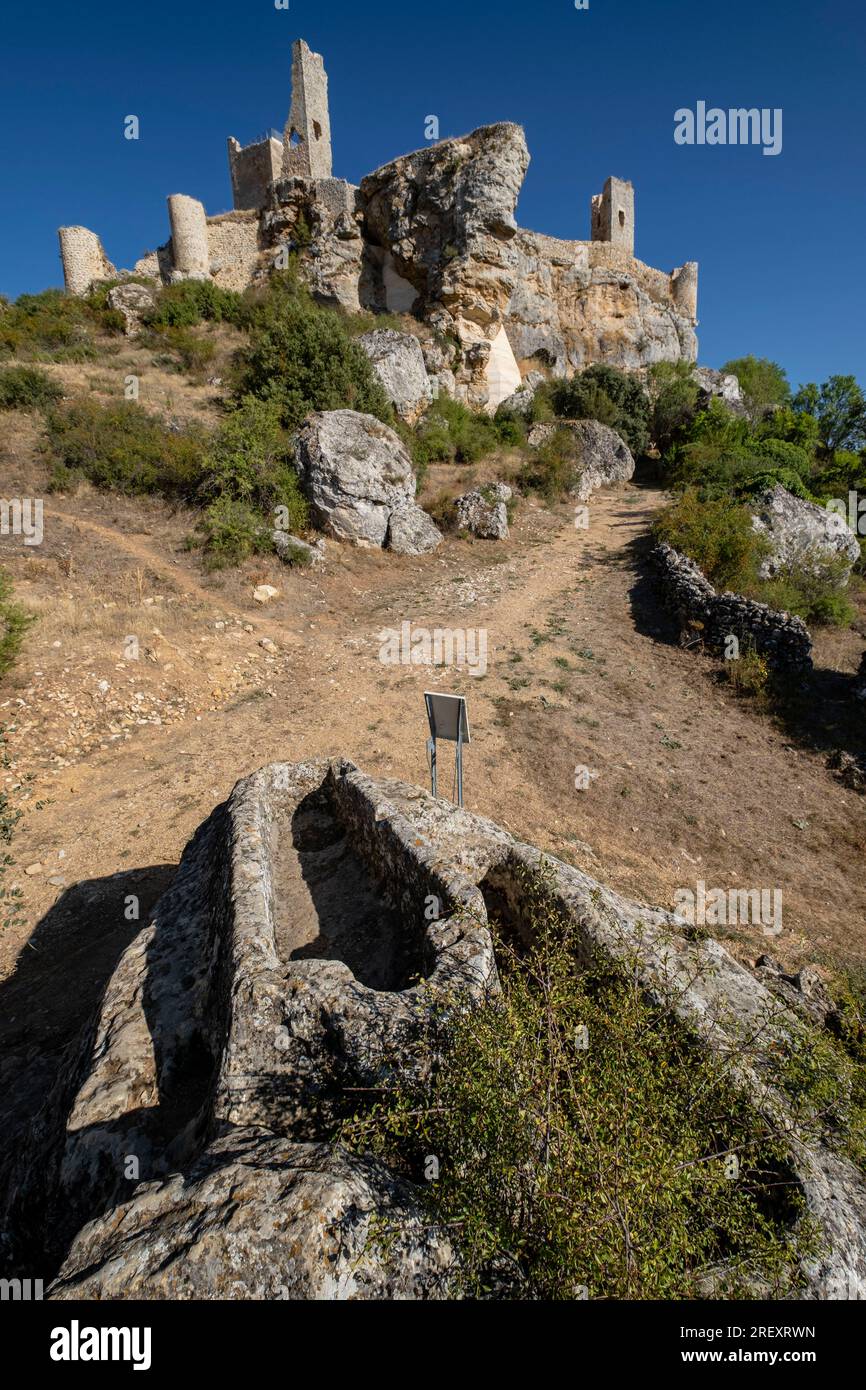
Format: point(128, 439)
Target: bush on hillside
point(452, 433)
point(764, 384)
point(249, 462)
point(610, 396)
point(718, 536)
point(27, 388)
point(14, 622)
point(554, 469)
point(674, 395)
point(54, 325)
point(582, 1138)
point(122, 447)
point(303, 358)
point(188, 302)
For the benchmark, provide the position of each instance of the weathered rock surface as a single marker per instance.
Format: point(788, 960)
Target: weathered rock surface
point(259, 1217)
point(520, 401)
point(293, 961)
point(133, 301)
point(804, 536)
point(605, 457)
point(295, 551)
point(360, 482)
point(398, 362)
point(484, 511)
point(712, 618)
point(723, 386)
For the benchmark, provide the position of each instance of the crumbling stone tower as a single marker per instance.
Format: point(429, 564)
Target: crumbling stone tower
point(612, 214)
point(307, 139)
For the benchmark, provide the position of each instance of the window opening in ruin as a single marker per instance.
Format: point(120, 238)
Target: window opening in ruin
point(294, 139)
point(317, 130)
point(622, 218)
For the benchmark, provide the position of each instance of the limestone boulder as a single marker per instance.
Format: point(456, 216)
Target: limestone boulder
point(398, 362)
point(804, 536)
point(294, 551)
point(723, 386)
point(259, 1217)
point(605, 458)
point(520, 401)
point(133, 301)
point(359, 480)
point(484, 512)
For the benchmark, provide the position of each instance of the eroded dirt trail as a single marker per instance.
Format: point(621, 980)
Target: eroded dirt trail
point(686, 781)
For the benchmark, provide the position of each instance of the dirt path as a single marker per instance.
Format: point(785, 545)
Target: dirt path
point(686, 781)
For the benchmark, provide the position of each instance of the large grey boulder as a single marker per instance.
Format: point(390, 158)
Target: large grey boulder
point(358, 477)
point(520, 401)
point(398, 362)
point(133, 301)
point(484, 511)
point(605, 458)
point(260, 1217)
point(804, 536)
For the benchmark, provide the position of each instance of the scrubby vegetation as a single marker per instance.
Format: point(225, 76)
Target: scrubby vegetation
point(608, 395)
point(54, 326)
point(302, 358)
point(452, 433)
point(14, 622)
point(27, 388)
point(583, 1142)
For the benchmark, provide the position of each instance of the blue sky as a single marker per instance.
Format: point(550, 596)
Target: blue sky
point(596, 91)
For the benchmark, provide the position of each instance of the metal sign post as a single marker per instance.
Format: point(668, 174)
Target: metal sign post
point(448, 719)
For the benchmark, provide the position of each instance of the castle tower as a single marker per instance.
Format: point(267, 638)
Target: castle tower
point(84, 260)
point(612, 214)
point(684, 289)
point(189, 243)
point(307, 139)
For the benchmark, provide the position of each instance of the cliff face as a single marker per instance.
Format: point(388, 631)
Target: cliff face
point(441, 239)
point(434, 234)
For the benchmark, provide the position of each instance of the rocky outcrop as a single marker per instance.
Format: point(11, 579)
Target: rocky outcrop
point(292, 550)
point(605, 458)
point(712, 619)
point(723, 386)
point(258, 1217)
point(804, 536)
point(320, 931)
point(133, 301)
point(359, 480)
point(484, 511)
point(520, 401)
point(317, 220)
point(398, 362)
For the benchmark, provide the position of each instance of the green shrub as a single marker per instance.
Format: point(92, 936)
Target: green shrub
point(230, 531)
point(302, 358)
point(554, 468)
point(583, 1141)
point(610, 396)
point(762, 382)
point(749, 673)
point(51, 324)
point(188, 350)
point(674, 394)
point(249, 462)
point(188, 302)
point(14, 622)
point(120, 446)
point(718, 536)
point(452, 433)
point(27, 388)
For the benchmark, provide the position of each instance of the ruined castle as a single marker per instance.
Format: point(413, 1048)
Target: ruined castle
point(431, 234)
